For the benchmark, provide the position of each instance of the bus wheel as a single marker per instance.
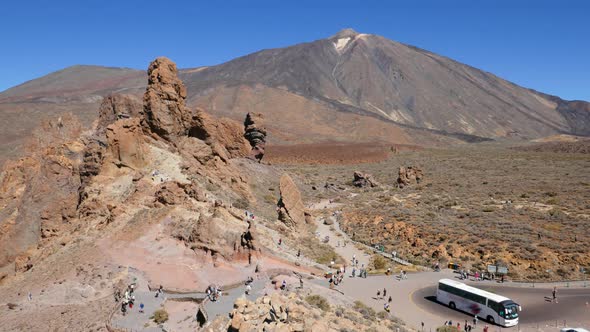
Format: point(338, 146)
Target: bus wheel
point(491, 319)
point(452, 305)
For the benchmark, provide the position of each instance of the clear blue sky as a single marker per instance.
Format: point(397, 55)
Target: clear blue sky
point(539, 44)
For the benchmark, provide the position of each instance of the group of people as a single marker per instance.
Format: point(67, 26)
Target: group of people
point(128, 299)
point(249, 215)
point(213, 292)
point(387, 304)
point(362, 271)
point(336, 279)
point(249, 285)
point(466, 326)
point(478, 276)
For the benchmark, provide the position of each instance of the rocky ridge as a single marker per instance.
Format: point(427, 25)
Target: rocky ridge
point(290, 312)
point(161, 152)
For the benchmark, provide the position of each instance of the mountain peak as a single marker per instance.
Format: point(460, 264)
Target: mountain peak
point(344, 33)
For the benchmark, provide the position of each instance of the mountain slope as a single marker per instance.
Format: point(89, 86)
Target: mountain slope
point(348, 87)
point(393, 82)
point(77, 89)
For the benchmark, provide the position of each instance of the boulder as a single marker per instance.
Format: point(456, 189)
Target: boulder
point(255, 133)
point(409, 175)
point(362, 180)
point(291, 208)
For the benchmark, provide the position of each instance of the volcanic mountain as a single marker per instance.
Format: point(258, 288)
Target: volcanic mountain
point(349, 87)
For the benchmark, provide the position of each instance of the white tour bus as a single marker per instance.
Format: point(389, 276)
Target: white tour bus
point(489, 306)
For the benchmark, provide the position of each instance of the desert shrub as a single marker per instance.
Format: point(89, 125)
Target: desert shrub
point(366, 311)
point(241, 203)
point(557, 214)
point(488, 209)
point(318, 301)
point(447, 329)
point(320, 252)
point(270, 199)
point(211, 187)
point(382, 314)
point(160, 316)
point(379, 262)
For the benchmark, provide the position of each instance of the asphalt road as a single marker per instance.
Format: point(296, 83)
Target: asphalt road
point(572, 307)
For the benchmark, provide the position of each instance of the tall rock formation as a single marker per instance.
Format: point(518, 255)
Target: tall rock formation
point(255, 133)
point(167, 116)
point(291, 208)
point(164, 101)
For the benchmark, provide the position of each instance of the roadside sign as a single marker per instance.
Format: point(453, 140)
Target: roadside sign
point(492, 268)
point(502, 270)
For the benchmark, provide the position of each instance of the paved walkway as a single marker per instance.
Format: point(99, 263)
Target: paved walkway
point(338, 243)
point(136, 321)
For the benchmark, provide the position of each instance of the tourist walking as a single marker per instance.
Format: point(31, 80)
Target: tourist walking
point(159, 291)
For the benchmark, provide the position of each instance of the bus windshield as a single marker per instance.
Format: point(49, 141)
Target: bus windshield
point(510, 311)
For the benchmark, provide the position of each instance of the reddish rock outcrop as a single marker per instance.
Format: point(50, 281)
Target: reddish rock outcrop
point(39, 194)
point(223, 135)
point(164, 101)
point(291, 208)
point(255, 133)
point(175, 193)
point(408, 175)
point(167, 116)
point(362, 180)
point(125, 143)
point(115, 107)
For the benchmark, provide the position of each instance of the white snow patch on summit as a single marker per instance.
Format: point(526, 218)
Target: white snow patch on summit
point(341, 43)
